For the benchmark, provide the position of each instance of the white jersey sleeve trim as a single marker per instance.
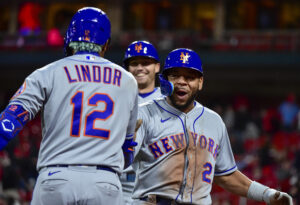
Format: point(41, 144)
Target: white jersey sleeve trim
point(129, 136)
point(228, 171)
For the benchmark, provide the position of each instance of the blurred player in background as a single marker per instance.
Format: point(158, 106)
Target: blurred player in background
point(141, 59)
point(183, 147)
point(84, 122)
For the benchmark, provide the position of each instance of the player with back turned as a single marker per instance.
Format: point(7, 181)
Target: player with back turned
point(183, 147)
point(141, 59)
point(84, 122)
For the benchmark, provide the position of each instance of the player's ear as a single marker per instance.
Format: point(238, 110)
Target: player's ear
point(105, 47)
point(157, 67)
point(201, 83)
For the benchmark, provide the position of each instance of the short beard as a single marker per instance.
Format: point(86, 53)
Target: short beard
point(186, 105)
point(143, 86)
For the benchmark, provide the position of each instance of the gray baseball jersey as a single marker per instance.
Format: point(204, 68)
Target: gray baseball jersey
point(88, 105)
point(156, 93)
point(179, 154)
point(128, 176)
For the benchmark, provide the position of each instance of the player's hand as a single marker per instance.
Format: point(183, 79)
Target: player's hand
point(137, 126)
point(281, 198)
point(129, 144)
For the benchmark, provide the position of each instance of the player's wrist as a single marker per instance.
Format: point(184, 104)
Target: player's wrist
point(12, 120)
point(268, 194)
point(18, 112)
point(258, 192)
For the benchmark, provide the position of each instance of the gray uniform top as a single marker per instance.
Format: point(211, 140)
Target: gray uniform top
point(127, 184)
point(156, 93)
point(178, 154)
point(88, 105)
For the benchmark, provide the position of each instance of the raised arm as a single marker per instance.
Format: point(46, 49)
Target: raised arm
point(239, 184)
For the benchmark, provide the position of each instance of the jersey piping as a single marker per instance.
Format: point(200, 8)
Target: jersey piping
point(182, 187)
point(195, 166)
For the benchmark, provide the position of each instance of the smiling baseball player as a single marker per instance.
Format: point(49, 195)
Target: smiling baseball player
point(141, 59)
point(89, 106)
point(183, 147)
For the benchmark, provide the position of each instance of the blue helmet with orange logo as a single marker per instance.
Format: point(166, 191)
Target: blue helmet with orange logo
point(183, 58)
point(179, 58)
point(140, 48)
point(90, 25)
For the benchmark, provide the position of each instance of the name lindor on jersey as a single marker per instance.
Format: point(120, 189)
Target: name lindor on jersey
point(177, 141)
point(94, 73)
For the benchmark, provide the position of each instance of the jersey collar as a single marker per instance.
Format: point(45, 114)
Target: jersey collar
point(144, 95)
point(163, 102)
point(86, 52)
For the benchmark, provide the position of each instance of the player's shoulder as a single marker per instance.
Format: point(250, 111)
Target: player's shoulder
point(120, 68)
point(146, 104)
point(128, 79)
point(148, 107)
point(109, 63)
point(46, 69)
point(211, 114)
point(157, 93)
point(52, 66)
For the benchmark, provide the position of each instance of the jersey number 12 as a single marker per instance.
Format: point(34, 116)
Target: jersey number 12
point(90, 118)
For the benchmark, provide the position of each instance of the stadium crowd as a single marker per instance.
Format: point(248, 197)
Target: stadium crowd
point(266, 143)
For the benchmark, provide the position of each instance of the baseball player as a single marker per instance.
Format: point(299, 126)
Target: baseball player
point(183, 147)
point(141, 59)
point(84, 122)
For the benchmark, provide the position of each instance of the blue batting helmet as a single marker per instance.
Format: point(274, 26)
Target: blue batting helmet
point(179, 58)
point(140, 48)
point(183, 58)
point(90, 25)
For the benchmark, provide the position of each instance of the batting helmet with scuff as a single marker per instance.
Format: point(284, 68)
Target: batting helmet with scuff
point(89, 25)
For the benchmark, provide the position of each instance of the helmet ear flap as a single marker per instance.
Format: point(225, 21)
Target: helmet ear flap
point(166, 86)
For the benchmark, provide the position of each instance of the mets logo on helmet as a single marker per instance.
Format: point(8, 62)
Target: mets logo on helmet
point(138, 47)
point(184, 57)
point(87, 35)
